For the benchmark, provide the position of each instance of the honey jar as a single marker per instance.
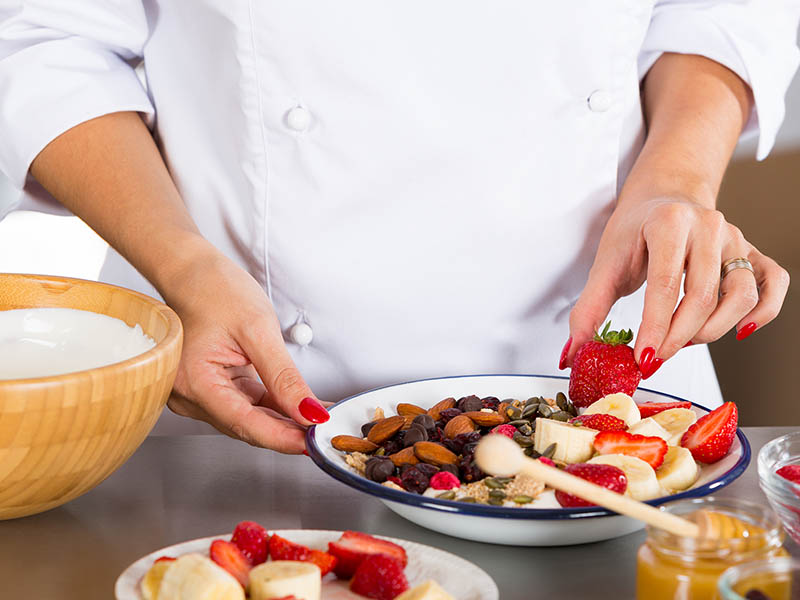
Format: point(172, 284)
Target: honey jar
point(672, 567)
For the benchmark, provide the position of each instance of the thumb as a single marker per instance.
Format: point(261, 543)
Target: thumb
point(589, 313)
point(286, 387)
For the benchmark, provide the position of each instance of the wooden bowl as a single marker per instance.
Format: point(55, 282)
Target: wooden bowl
point(62, 435)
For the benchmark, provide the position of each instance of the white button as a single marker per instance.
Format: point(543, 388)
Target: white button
point(301, 334)
point(599, 101)
point(298, 118)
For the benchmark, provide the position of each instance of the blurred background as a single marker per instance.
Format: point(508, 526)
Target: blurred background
point(763, 199)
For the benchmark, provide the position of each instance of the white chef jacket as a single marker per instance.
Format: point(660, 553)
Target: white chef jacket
point(423, 183)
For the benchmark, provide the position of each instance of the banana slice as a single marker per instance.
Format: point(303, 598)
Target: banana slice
point(430, 590)
point(620, 405)
point(152, 579)
point(195, 577)
point(678, 471)
point(642, 481)
point(650, 427)
point(676, 421)
point(279, 578)
point(573, 443)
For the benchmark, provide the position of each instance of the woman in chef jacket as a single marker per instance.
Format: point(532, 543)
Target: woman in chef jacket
point(335, 196)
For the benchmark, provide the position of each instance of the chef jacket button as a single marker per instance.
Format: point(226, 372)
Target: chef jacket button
point(301, 334)
point(599, 101)
point(298, 118)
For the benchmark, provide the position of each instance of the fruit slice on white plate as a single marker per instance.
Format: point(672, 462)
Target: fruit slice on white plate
point(620, 405)
point(195, 577)
point(152, 579)
point(678, 471)
point(676, 421)
point(642, 481)
point(650, 427)
point(573, 443)
point(429, 590)
point(279, 578)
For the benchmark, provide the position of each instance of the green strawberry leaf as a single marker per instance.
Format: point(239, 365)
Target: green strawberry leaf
point(614, 338)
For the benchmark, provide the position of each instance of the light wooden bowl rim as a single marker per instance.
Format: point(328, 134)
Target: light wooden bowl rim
point(166, 346)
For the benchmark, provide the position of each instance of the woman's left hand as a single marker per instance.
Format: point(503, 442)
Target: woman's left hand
point(657, 240)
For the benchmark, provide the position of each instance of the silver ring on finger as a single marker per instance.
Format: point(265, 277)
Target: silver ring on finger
point(735, 263)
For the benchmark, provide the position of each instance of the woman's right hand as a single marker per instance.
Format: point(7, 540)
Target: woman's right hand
point(235, 372)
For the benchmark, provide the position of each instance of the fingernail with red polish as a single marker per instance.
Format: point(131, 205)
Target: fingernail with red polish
point(655, 366)
point(313, 411)
point(306, 453)
point(689, 343)
point(646, 360)
point(562, 362)
point(746, 330)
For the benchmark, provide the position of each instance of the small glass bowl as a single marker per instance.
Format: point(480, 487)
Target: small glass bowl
point(775, 578)
point(783, 495)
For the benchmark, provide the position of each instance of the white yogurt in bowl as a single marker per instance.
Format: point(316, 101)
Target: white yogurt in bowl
point(41, 342)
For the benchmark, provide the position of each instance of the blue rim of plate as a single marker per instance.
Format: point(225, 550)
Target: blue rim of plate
point(480, 510)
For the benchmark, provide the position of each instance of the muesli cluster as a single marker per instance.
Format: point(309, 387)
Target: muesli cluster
point(431, 451)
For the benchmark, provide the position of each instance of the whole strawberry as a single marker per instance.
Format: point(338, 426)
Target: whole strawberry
point(603, 366)
point(253, 540)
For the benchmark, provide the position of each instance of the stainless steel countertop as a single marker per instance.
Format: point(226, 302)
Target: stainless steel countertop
point(179, 488)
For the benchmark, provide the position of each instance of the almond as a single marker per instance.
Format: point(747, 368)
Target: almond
point(436, 410)
point(406, 456)
point(351, 443)
point(404, 409)
point(485, 419)
point(384, 429)
point(435, 454)
point(501, 410)
point(407, 421)
point(458, 425)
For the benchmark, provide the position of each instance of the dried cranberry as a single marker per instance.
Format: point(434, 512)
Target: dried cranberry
point(468, 470)
point(456, 445)
point(490, 402)
point(414, 480)
point(449, 413)
point(450, 469)
point(469, 404)
point(429, 470)
point(391, 446)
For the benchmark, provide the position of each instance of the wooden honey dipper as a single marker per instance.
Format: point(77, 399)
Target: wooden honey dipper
point(500, 456)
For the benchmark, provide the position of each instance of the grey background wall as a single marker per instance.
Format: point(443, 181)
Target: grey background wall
point(761, 374)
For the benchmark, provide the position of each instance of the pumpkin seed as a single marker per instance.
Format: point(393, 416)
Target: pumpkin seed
point(380, 452)
point(523, 440)
point(525, 429)
point(529, 451)
point(519, 422)
point(467, 499)
point(561, 400)
point(495, 501)
point(513, 413)
point(448, 495)
point(533, 454)
point(492, 483)
point(530, 401)
point(550, 450)
point(545, 411)
point(561, 415)
point(522, 499)
point(504, 480)
point(530, 411)
point(497, 494)
point(571, 408)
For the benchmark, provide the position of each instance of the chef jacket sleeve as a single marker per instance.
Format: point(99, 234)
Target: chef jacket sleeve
point(62, 63)
point(756, 39)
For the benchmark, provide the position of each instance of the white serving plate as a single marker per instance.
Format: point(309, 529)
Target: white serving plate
point(496, 524)
point(461, 578)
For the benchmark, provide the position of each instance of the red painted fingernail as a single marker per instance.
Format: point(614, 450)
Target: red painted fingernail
point(689, 343)
point(306, 453)
point(746, 330)
point(562, 362)
point(313, 411)
point(655, 366)
point(646, 359)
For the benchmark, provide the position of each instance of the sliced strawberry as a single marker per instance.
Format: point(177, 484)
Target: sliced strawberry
point(648, 409)
point(650, 449)
point(353, 547)
point(790, 472)
point(164, 559)
point(600, 422)
point(326, 562)
point(282, 549)
point(380, 577)
point(607, 476)
point(230, 558)
point(253, 540)
point(710, 438)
